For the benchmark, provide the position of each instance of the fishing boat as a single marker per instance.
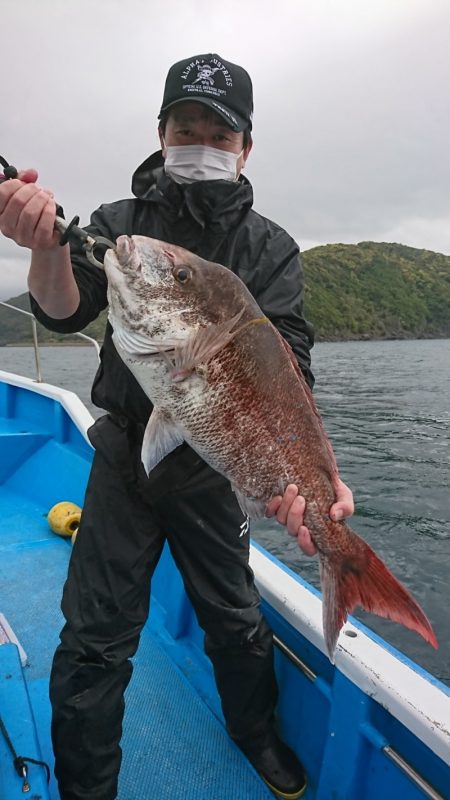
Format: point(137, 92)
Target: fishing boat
point(373, 724)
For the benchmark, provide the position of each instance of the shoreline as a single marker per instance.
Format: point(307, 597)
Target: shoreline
point(50, 344)
point(318, 340)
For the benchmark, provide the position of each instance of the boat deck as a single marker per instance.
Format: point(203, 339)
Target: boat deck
point(175, 745)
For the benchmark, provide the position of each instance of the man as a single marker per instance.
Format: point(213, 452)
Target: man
point(193, 195)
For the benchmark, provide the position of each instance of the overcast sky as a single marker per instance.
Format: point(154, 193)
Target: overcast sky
point(352, 107)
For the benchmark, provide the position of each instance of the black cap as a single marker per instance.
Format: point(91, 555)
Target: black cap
point(225, 87)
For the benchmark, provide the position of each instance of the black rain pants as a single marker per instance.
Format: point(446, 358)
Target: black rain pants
point(125, 522)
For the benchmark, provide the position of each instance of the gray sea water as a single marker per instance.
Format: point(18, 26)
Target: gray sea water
point(386, 407)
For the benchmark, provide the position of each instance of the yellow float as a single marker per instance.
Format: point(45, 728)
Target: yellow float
point(64, 519)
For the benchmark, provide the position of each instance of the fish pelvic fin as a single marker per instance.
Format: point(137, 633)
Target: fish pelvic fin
point(160, 438)
point(363, 580)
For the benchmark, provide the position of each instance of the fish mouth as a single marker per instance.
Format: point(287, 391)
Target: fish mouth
point(111, 263)
point(113, 268)
point(125, 256)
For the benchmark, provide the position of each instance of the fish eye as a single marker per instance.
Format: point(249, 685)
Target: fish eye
point(181, 274)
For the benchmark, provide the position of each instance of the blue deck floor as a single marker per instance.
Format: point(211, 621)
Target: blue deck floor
point(174, 745)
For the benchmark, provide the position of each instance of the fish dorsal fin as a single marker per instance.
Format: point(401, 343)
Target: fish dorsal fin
point(202, 345)
point(160, 438)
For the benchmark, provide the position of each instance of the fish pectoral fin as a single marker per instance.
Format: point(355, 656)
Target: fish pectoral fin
point(160, 438)
point(251, 506)
point(202, 345)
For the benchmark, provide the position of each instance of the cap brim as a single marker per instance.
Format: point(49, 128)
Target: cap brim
point(233, 120)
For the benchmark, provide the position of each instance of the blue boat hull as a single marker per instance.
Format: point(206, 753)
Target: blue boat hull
point(360, 730)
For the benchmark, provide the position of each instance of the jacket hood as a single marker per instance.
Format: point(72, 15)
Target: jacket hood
point(212, 203)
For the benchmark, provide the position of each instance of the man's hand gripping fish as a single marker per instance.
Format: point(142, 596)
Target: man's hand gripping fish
point(223, 379)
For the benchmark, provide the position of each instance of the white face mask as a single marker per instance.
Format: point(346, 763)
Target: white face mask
point(188, 163)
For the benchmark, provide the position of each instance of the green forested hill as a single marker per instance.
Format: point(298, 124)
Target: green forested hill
point(16, 328)
point(377, 290)
point(363, 291)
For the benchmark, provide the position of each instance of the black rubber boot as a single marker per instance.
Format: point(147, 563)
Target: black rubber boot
point(278, 766)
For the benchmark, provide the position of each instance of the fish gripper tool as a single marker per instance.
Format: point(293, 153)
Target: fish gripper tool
point(95, 247)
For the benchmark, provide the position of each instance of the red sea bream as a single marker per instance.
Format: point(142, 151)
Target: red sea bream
point(222, 378)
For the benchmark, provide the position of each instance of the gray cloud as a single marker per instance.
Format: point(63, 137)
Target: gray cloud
point(351, 107)
point(13, 271)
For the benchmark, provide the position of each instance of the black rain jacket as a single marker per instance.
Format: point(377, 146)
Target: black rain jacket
point(213, 219)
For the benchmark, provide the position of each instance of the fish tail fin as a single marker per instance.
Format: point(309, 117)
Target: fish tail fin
point(363, 580)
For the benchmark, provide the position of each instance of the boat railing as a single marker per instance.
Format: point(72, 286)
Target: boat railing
point(37, 359)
